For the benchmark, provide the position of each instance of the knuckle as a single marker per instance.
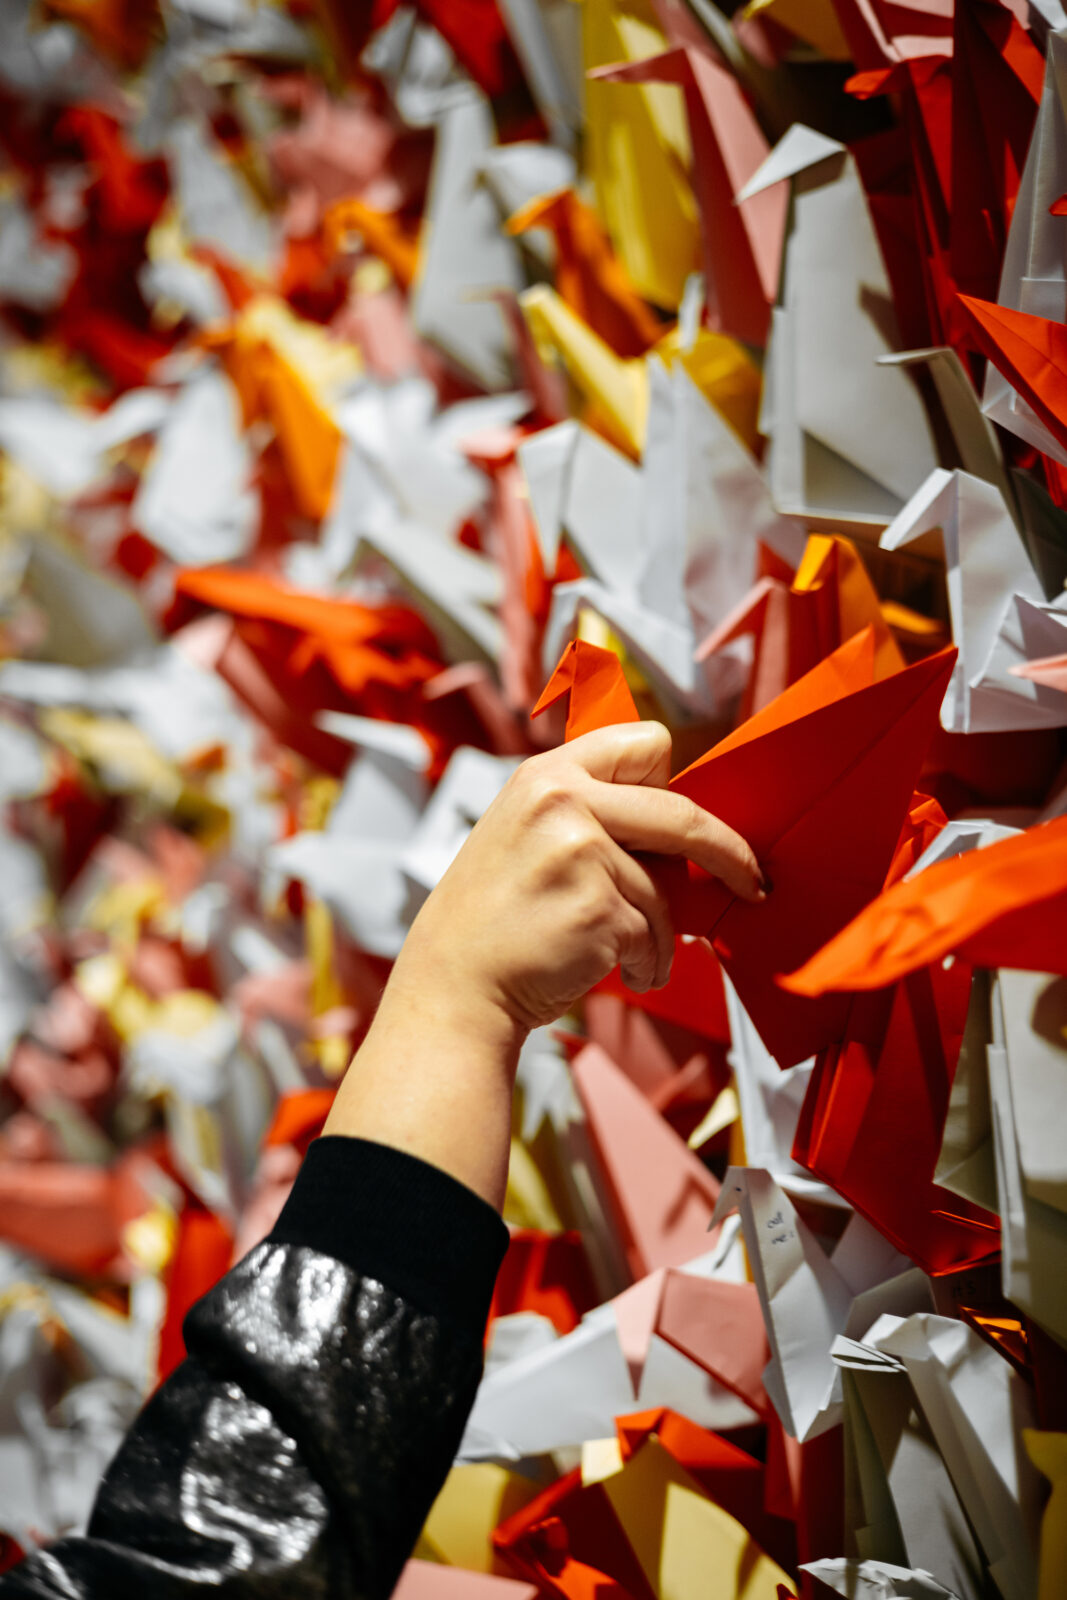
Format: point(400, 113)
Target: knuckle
point(593, 909)
point(632, 933)
point(546, 789)
point(693, 824)
point(584, 840)
point(572, 846)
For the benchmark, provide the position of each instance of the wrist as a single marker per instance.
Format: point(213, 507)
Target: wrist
point(429, 991)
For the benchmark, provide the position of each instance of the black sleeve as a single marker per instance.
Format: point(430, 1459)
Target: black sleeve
point(299, 1447)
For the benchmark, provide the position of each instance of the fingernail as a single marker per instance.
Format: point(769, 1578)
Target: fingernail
point(765, 884)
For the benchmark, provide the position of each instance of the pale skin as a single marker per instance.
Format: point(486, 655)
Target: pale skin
point(543, 900)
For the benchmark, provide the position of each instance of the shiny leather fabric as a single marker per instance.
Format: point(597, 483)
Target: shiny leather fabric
point(295, 1453)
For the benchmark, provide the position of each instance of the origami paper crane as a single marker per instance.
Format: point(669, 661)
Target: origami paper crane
point(1033, 278)
point(991, 56)
point(464, 254)
point(698, 502)
point(638, 151)
point(615, 389)
point(289, 382)
point(790, 824)
point(589, 276)
point(770, 1100)
point(705, 508)
point(195, 501)
point(801, 1286)
point(876, 1580)
point(1031, 353)
point(652, 1507)
point(790, 831)
point(1022, 1094)
point(877, 33)
point(661, 1192)
point(720, 1467)
point(798, 623)
point(573, 477)
point(976, 1408)
point(217, 206)
point(885, 1088)
point(1004, 906)
point(900, 1496)
point(64, 447)
point(542, 1543)
point(358, 358)
point(597, 691)
point(666, 1341)
point(993, 597)
point(678, 1535)
point(354, 863)
point(849, 439)
point(742, 242)
point(381, 656)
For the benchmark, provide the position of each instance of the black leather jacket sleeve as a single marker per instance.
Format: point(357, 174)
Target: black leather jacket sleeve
point(299, 1447)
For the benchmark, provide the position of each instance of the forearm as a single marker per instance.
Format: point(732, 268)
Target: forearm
point(435, 1074)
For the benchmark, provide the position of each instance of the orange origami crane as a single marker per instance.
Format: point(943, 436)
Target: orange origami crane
point(594, 680)
point(820, 784)
point(615, 1537)
point(292, 654)
point(873, 1116)
point(271, 387)
point(725, 1472)
point(380, 231)
point(1004, 906)
point(589, 275)
point(1030, 352)
point(796, 624)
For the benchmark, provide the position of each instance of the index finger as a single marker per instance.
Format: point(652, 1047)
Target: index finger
point(670, 824)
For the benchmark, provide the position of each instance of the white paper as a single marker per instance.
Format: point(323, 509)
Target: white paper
point(976, 1406)
point(849, 439)
point(770, 1100)
point(1033, 277)
point(464, 256)
point(876, 1580)
point(987, 566)
point(195, 500)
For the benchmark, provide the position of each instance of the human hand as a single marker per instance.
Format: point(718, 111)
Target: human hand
point(545, 898)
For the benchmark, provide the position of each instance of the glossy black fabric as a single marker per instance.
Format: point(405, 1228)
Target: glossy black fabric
point(297, 1450)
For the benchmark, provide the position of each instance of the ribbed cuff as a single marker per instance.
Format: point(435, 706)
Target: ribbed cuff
point(391, 1216)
